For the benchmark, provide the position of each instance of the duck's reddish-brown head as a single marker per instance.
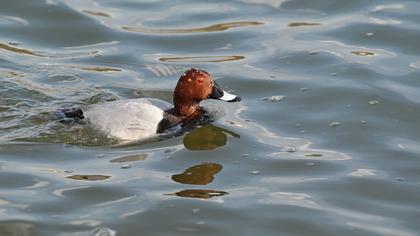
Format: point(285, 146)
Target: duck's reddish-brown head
point(197, 85)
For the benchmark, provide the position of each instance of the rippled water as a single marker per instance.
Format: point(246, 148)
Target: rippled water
point(325, 141)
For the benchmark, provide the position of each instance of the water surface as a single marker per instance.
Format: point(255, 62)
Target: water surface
point(324, 142)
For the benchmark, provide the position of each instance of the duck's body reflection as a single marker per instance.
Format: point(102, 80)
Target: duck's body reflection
point(198, 175)
point(202, 174)
point(207, 138)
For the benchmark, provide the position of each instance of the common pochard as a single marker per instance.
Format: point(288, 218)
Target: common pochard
point(136, 119)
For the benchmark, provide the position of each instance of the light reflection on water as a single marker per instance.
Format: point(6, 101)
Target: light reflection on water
point(323, 143)
point(211, 28)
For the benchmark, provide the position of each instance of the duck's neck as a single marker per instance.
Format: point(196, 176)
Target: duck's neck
point(185, 109)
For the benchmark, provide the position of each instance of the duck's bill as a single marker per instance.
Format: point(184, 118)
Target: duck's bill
point(219, 93)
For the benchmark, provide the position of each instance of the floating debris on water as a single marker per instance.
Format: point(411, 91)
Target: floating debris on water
point(289, 149)
point(369, 34)
point(363, 172)
point(373, 102)
point(303, 89)
point(400, 179)
point(255, 172)
point(335, 124)
point(100, 155)
point(363, 122)
point(14, 43)
point(333, 74)
point(310, 164)
point(275, 98)
point(167, 151)
point(126, 166)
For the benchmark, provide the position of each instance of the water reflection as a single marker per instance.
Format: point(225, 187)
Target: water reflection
point(129, 158)
point(199, 193)
point(99, 69)
point(18, 50)
point(211, 28)
point(96, 13)
point(15, 227)
point(88, 177)
point(199, 175)
point(202, 59)
point(363, 53)
point(207, 138)
point(298, 24)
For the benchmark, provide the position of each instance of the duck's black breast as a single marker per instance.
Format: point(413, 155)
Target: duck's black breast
point(73, 113)
point(169, 120)
point(174, 124)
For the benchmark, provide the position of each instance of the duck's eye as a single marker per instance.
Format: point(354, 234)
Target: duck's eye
point(200, 81)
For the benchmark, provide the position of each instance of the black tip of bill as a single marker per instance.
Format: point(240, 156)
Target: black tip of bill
point(236, 99)
point(219, 93)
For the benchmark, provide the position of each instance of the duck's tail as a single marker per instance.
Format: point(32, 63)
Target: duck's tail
point(75, 113)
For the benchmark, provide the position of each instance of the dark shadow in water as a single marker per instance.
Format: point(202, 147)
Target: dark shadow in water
point(211, 28)
point(88, 177)
point(199, 193)
point(207, 138)
point(198, 175)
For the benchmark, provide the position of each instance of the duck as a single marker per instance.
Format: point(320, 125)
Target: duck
point(142, 118)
